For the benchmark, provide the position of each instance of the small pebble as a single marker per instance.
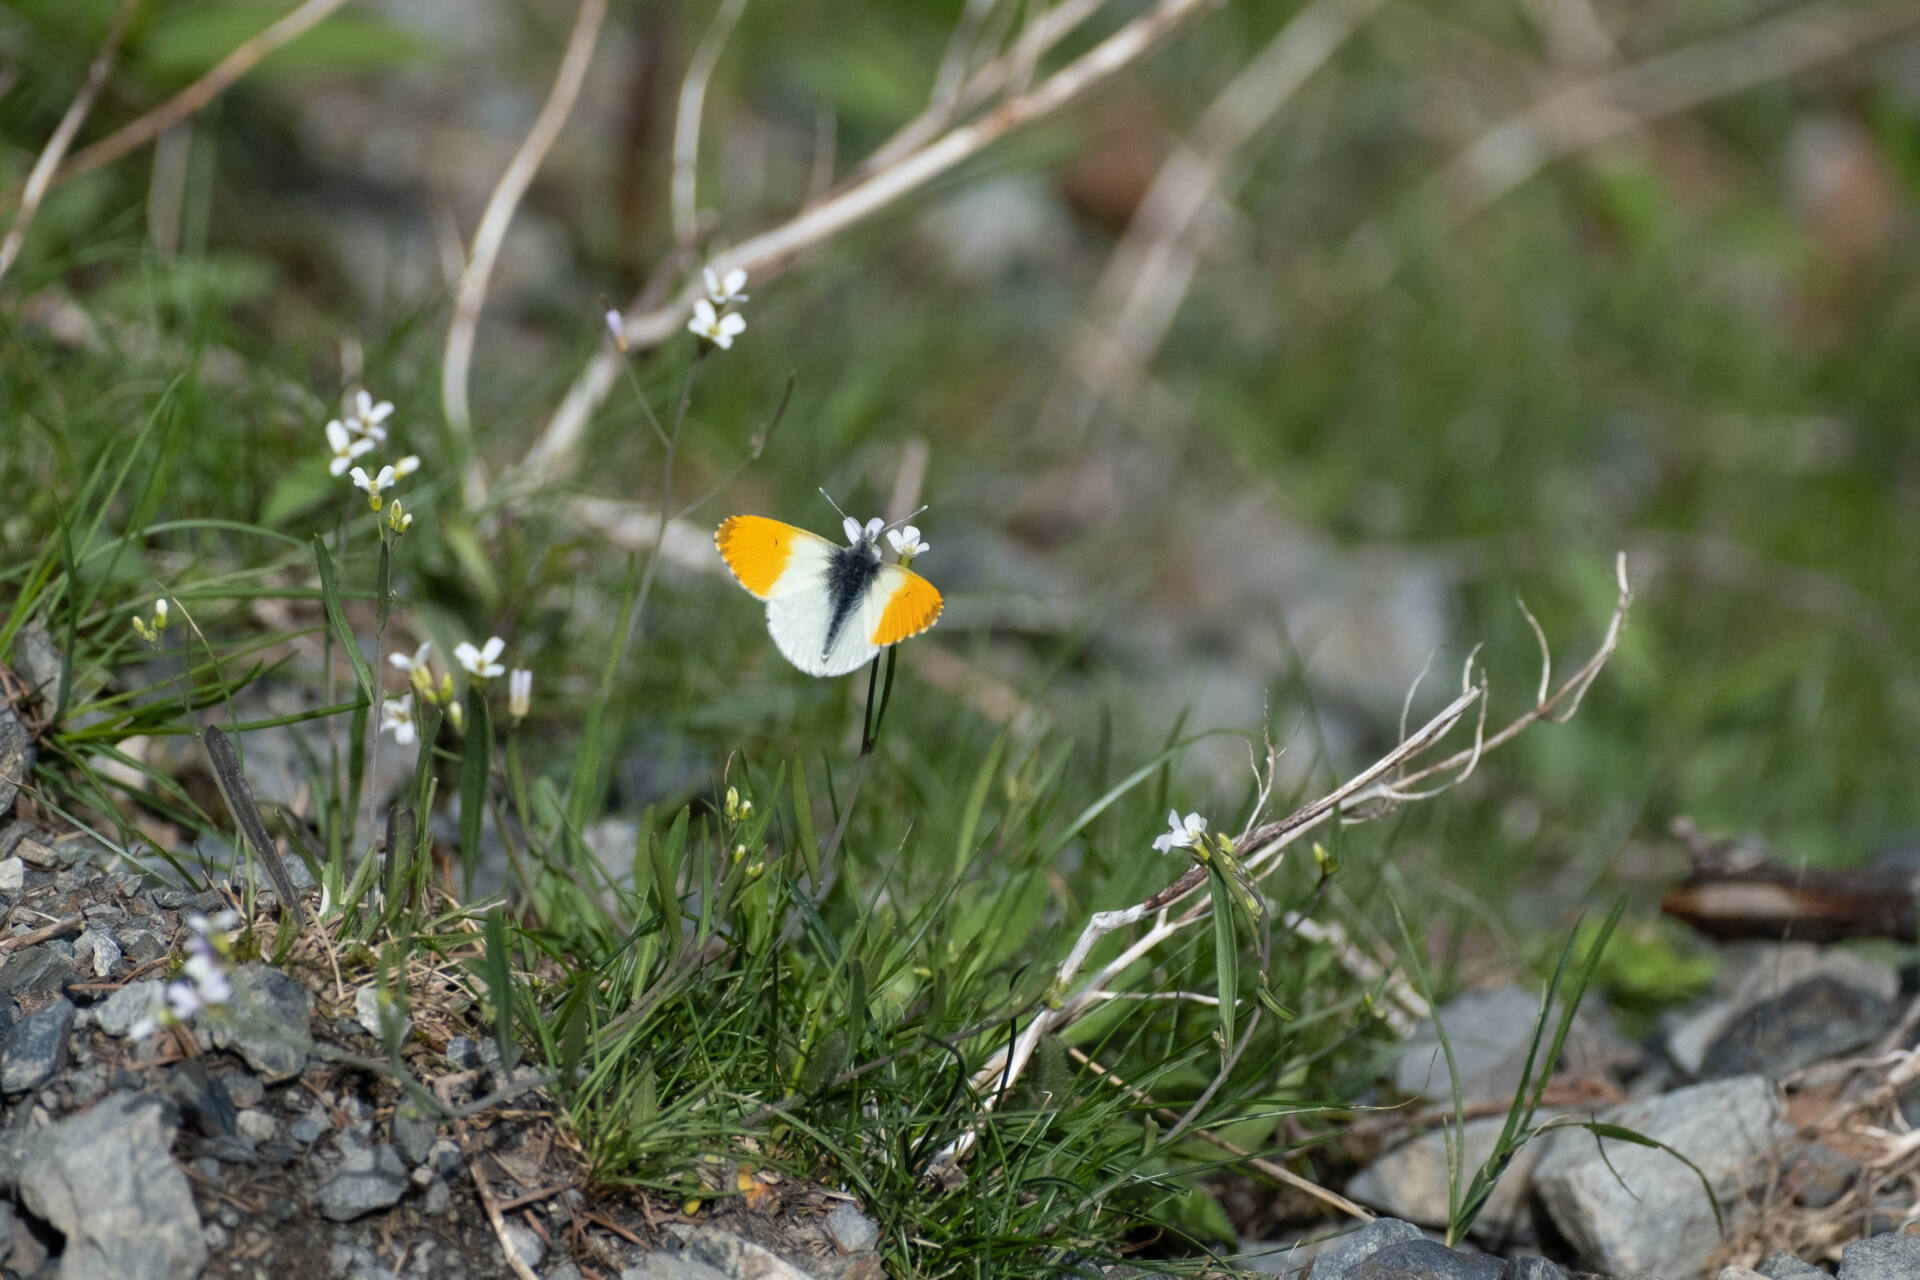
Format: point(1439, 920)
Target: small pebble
point(256, 1125)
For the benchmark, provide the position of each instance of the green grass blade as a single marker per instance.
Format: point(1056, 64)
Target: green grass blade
point(336, 615)
point(475, 760)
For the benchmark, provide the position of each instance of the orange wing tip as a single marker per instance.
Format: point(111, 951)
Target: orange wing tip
point(756, 549)
point(914, 607)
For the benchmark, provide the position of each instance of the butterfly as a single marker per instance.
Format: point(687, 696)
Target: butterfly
point(830, 609)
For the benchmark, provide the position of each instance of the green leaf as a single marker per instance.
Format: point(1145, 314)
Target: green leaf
point(668, 857)
point(475, 760)
point(499, 973)
point(803, 821)
point(337, 618)
point(1226, 952)
point(976, 804)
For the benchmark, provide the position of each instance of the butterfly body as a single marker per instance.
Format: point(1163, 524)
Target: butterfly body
point(830, 609)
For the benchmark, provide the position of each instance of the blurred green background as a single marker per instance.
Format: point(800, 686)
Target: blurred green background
point(1374, 420)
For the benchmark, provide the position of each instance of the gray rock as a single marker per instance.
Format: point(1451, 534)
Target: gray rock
point(463, 1054)
point(1781, 1265)
point(1534, 1269)
point(1810, 1022)
point(1410, 1182)
point(244, 1088)
point(117, 1014)
point(851, 1229)
point(105, 1180)
point(1882, 1257)
point(266, 1022)
point(1764, 972)
point(142, 946)
point(16, 757)
point(1340, 1259)
point(525, 1243)
point(445, 1157)
point(35, 1048)
point(357, 1262)
point(739, 1258)
point(37, 662)
point(96, 949)
point(671, 1266)
point(13, 875)
point(438, 1198)
point(1427, 1260)
point(256, 1125)
point(35, 974)
point(1600, 1202)
point(369, 1179)
point(309, 1127)
point(565, 1271)
point(1489, 1032)
point(414, 1132)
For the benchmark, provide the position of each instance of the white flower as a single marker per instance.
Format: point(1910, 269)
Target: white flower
point(519, 693)
point(345, 447)
point(906, 543)
point(407, 466)
point(722, 289)
point(856, 534)
point(396, 717)
point(160, 614)
point(718, 329)
point(183, 1001)
point(480, 663)
point(617, 327)
point(418, 662)
point(142, 1028)
point(221, 922)
point(1183, 833)
point(367, 416)
point(375, 485)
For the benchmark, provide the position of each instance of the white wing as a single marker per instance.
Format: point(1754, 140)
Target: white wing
point(798, 623)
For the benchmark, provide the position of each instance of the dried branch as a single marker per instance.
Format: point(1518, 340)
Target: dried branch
point(1609, 106)
point(1278, 1172)
point(770, 252)
point(246, 57)
point(686, 125)
point(1149, 271)
point(1014, 67)
point(472, 293)
point(42, 176)
point(1373, 792)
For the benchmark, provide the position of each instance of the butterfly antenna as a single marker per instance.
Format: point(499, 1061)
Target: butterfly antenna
point(836, 506)
point(903, 519)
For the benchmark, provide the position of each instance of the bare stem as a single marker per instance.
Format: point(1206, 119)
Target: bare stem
point(770, 252)
point(686, 125)
point(243, 59)
point(472, 293)
point(42, 176)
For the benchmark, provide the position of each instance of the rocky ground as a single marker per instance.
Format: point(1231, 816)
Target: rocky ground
point(263, 1138)
point(1793, 1087)
point(267, 1136)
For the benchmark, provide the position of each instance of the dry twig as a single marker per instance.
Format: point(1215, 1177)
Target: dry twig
point(472, 294)
point(1149, 271)
point(769, 252)
point(243, 59)
point(494, 1216)
point(1609, 106)
point(44, 169)
point(1278, 1172)
point(1376, 790)
point(686, 125)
